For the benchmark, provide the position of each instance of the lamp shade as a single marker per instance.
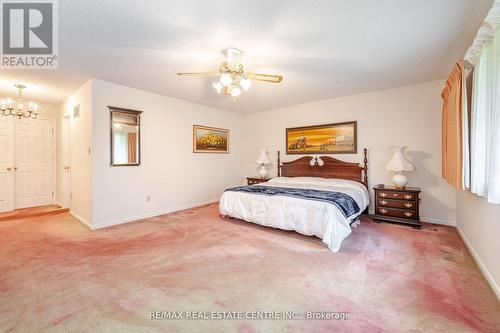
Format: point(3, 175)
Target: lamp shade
point(263, 157)
point(399, 162)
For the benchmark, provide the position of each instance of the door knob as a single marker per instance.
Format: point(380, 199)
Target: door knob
point(9, 169)
point(15, 168)
point(66, 168)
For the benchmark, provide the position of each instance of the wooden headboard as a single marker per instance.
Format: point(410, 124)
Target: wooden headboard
point(330, 168)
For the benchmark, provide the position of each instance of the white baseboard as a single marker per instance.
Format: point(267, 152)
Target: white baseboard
point(438, 221)
point(479, 262)
point(81, 219)
point(150, 214)
point(429, 220)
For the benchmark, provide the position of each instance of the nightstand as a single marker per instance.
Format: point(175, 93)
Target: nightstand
point(256, 180)
point(397, 205)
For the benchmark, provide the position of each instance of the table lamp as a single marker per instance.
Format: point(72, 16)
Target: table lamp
point(262, 161)
point(399, 164)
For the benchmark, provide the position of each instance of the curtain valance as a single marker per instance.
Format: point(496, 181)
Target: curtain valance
point(485, 34)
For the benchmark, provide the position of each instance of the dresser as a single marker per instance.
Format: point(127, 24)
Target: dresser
point(255, 180)
point(397, 205)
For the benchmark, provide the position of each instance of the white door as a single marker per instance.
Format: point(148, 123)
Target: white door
point(6, 164)
point(66, 162)
point(34, 158)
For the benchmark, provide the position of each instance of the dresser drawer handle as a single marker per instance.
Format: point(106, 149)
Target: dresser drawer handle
point(408, 205)
point(383, 202)
point(408, 196)
point(408, 214)
point(383, 194)
point(383, 211)
point(394, 194)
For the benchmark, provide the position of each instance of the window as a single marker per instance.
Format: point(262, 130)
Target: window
point(485, 123)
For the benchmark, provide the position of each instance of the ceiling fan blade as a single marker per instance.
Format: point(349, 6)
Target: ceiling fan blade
point(194, 74)
point(265, 77)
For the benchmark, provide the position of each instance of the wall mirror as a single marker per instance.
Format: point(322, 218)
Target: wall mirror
point(125, 128)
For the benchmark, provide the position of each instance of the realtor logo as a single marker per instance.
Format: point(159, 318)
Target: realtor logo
point(29, 34)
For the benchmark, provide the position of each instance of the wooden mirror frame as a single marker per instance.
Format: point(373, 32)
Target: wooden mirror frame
point(137, 113)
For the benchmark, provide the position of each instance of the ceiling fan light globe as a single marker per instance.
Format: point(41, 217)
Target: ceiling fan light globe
point(245, 83)
point(218, 87)
point(226, 80)
point(235, 92)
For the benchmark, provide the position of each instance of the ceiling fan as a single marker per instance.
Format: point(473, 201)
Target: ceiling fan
point(232, 78)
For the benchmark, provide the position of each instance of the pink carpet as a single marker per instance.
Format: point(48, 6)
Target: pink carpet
point(55, 275)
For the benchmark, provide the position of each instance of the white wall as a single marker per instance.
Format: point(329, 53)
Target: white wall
point(409, 115)
point(170, 172)
point(47, 110)
point(176, 178)
point(479, 225)
point(81, 144)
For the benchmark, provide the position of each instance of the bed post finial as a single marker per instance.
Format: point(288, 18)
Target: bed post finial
point(365, 167)
point(279, 164)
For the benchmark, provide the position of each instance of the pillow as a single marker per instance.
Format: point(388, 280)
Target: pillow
point(313, 181)
point(280, 180)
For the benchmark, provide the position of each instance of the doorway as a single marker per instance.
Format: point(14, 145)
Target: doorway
point(26, 163)
point(65, 162)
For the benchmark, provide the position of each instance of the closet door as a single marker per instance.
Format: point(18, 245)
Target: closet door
point(34, 159)
point(6, 164)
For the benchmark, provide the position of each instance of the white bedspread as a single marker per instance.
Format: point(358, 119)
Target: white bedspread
point(307, 217)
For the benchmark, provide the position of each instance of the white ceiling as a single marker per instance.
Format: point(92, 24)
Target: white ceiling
point(324, 49)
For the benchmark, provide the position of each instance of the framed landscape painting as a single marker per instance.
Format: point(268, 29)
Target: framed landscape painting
point(210, 140)
point(340, 138)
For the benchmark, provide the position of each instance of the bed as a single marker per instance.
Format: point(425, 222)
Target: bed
point(314, 196)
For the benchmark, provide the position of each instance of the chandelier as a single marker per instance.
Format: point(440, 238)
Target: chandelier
point(8, 108)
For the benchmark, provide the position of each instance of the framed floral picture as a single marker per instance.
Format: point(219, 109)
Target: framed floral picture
point(210, 140)
point(340, 138)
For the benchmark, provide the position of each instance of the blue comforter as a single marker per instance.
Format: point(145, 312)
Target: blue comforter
point(344, 202)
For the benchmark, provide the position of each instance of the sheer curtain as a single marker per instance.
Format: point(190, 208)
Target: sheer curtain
point(485, 123)
point(120, 147)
